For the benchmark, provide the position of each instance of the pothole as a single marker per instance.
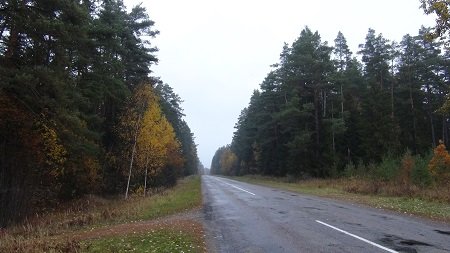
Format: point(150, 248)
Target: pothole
point(414, 243)
point(312, 208)
point(402, 244)
point(442, 232)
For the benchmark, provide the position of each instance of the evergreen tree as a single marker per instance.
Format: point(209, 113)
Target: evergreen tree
point(380, 133)
point(244, 142)
point(410, 109)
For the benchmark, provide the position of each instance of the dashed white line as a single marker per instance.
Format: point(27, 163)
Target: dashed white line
point(234, 186)
point(357, 237)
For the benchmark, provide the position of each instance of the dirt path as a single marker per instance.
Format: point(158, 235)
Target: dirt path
point(189, 222)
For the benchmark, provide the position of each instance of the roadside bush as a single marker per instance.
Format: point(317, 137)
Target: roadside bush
point(349, 170)
point(407, 165)
point(363, 186)
point(439, 165)
point(402, 185)
point(362, 170)
point(290, 178)
point(421, 175)
point(139, 191)
point(387, 169)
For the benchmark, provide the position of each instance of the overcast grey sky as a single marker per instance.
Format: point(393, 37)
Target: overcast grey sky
point(214, 53)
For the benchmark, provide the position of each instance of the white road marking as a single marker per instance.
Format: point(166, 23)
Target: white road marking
point(357, 237)
point(232, 185)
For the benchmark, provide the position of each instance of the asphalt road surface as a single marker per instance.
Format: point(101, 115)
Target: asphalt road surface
point(242, 217)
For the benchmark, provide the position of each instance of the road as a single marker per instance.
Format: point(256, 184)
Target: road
point(242, 217)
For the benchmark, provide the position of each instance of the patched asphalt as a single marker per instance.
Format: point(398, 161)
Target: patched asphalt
point(242, 217)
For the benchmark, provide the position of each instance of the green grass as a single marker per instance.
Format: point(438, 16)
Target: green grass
point(424, 208)
point(339, 189)
point(152, 241)
point(187, 195)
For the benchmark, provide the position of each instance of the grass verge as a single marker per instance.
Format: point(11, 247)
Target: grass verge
point(341, 189)
point(56, 231)
point(164, 240)
point(187, 195)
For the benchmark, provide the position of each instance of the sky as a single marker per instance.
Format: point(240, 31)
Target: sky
point(214, 53)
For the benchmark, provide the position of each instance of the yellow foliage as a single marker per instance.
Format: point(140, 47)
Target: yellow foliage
point(156, 143)
point(228, 161)
point(139, 191)
point(439, 165)
point(442, 11)
point(54, 152)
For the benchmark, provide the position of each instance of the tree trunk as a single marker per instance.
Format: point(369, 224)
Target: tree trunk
point(145, 179)
point(432, 130)
point(316, 120)
point(392, 90)
point(392, 100)
point(430, 114)
point(132, 156)
point(414, 120)
point(444, 132)
point(342, 103)
point(276, 148)
point(381, 80)
point(332, 128)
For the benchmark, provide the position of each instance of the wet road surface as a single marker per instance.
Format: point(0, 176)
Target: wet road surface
point(242, 217)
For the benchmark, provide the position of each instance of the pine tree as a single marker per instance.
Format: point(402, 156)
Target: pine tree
point(379, 129)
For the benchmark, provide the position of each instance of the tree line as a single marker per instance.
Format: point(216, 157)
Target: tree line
point(322, 109)
point(80, 112)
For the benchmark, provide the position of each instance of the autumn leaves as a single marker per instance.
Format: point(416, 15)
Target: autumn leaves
point(149, 136)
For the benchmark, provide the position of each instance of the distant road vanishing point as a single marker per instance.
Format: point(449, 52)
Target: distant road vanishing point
point(242, 217)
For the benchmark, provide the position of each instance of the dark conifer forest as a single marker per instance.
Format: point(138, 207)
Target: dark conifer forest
point(324, 111)
point(80, 111)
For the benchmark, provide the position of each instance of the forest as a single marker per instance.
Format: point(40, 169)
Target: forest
point(80, 110)
point(324, 111)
